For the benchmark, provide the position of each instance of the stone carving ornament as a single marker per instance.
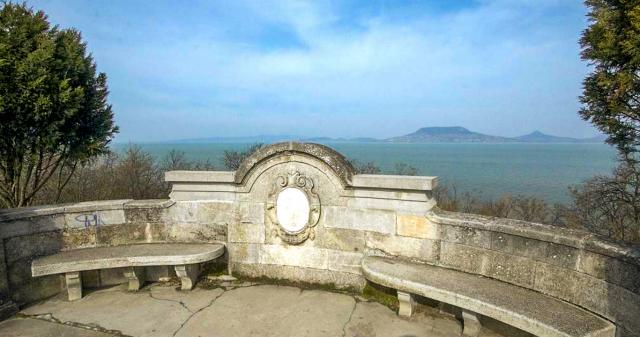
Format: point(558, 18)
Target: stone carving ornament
point(294, 207)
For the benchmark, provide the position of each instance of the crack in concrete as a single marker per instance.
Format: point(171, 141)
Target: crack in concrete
point(48, 317)
point(170, 300)
point(344, 326)
point(208, 306)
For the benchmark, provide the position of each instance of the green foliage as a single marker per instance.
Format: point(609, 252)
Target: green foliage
point(233, 159)
point(611, 97)
point(53, 104)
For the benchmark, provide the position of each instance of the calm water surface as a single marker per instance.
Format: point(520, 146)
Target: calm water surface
point(490, 170)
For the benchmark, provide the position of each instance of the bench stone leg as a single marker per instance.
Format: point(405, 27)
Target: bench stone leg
point(407, 304)
point(471, 323)
point(188, 274)
point(136, 277)
point(74, 285)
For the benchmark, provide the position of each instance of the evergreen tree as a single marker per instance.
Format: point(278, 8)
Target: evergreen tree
point(53, 104)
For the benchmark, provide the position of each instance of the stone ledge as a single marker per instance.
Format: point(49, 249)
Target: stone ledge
point(395, 182)
point(569, 237)
point(149, 203)
point(223, 177)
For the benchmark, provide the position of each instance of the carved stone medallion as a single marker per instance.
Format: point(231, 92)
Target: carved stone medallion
point(294, 207)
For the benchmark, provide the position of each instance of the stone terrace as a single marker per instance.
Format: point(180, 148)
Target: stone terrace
point(235, 308)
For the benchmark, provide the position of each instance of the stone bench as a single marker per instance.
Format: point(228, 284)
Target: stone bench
point(525, 309)
point(185, 257)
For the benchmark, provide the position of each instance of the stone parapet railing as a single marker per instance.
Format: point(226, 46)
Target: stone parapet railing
point(349, 216)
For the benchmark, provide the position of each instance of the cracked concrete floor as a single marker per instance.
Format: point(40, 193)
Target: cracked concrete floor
point(244, 310)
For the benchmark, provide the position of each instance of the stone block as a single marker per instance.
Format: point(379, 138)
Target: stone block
point(30, 246)
point(130, 233)
point(402, 206)
point(422, 249)
point(416, 227)
point(359, 219)
point(246, 232)
point(74, 238)
point(144, 215)
point(252, 213)
point(332, 278)
point(193, 232)
point(509, 268)
point(243, 252)
point(94, 218)
point(4, 282)
point(465, 258)
point(344, 261)
point(182, 212)
point(218, 213)
point(561, 255)
point(610, 269)
point(33, 225)
point(518, 245)
point(341, 239)
point(625, 309)
point(299, 256)
point(574, 287)
point(465, 235)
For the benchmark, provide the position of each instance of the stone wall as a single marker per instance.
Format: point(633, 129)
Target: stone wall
point(350, 216)
point(27, 233)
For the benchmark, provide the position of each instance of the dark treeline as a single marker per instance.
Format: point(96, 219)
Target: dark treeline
point(597, 205)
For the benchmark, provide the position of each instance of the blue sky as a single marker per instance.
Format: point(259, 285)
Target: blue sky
point(190, 69)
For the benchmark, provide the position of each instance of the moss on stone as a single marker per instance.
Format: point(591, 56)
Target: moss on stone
point(383, 295)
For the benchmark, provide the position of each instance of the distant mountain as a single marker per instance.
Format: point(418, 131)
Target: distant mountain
point(539, 137)
point(448, 134)
point(451, 134)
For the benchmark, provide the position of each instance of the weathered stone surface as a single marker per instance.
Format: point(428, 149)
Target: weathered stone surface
point(341, 239)
point(359, 219)
point(135, 232)
point(143, 215)
point(336, 161)
point(373, 320)
point(40, 328)
point(574, 287)
point(344, 261)
point(377, 181)
point(247, 232)
point(332, 278)
point(182, 212)
point(422, 249)
point(611, 270)
point(33, 225)
point(194, 232)
point(126, 256)
point(461, 257)
point(561, 255)
point(95, 218)
point(244, 253)
point(518, 245)
point(512, 269)
point(416, 226)
point(218, 213)
point(30, 246)
point(298, 256)
point(516, 306)
point(73, 238)
point(466, 236)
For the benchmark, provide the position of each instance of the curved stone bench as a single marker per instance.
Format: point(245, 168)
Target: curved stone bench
point(525, 309)
point(185, 257)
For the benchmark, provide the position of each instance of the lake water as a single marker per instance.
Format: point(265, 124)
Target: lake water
point(489, 170)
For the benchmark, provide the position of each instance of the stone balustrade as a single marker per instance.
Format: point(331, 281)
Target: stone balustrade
point(349, 216)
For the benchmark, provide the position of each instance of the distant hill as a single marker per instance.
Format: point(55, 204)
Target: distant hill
point(539, 137)
point(447, 134)
point(452, 134)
